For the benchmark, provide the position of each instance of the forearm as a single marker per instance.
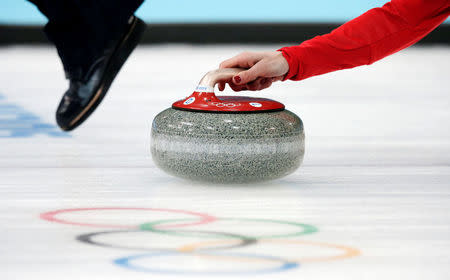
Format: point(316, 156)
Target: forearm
point(375, 34)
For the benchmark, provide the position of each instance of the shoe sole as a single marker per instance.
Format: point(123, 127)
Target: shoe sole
point(128, 43)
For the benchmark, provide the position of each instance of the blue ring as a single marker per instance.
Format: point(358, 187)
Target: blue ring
point(126, 263)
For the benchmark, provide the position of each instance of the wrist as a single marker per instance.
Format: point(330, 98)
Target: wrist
point(283, 64)
point(289, 53)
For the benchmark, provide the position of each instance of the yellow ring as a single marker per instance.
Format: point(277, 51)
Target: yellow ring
point(348, 252)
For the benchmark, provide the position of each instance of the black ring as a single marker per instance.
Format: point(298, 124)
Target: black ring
point(88, 239)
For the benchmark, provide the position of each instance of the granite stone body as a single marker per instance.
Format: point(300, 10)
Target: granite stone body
point(227, 148)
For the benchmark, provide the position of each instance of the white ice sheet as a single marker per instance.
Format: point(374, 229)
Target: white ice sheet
point(375, 181)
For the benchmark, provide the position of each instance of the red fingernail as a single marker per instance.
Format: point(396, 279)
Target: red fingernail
point(237, 79)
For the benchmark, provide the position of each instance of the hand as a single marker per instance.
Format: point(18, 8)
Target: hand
point(264, 68)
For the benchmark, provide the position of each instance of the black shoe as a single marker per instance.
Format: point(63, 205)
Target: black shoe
point(83, 96)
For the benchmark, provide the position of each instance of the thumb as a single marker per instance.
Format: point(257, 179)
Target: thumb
point(247, 76)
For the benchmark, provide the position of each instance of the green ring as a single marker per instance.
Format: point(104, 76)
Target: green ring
point(306, 229)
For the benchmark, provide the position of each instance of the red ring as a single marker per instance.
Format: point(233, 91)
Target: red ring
point(51, 216)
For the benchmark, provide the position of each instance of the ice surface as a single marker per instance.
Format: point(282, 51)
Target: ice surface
point(375, 183)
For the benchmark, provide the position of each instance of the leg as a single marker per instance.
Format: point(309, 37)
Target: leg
point(93, 39)
point(82, 29)
point(64, 30)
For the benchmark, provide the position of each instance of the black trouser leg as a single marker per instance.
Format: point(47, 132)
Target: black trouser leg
point(82, 29)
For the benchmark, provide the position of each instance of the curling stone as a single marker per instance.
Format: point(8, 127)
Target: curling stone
point(227, 139)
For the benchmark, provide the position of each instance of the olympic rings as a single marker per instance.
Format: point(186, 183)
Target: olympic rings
point(348, 252)
point(285, 265)
point(51, 216)
point(207, 249)
point(221, 104)
point(88, 238)
point(306, 229)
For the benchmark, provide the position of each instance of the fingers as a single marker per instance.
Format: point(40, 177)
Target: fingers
point(259, 84)
point(263, 69)
point(237, 88)
point(249, 75)
point(221, 86)
point(233, 86)
point(242, 60)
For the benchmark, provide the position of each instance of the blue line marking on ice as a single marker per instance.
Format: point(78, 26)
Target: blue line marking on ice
point(16, 122)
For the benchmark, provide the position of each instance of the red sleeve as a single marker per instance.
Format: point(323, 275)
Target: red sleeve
point(370, 37)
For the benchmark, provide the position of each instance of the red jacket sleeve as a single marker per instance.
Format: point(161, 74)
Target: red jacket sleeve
point(370, 37)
